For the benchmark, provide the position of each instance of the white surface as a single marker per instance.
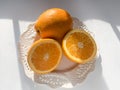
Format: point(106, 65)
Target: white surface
point(101, 17)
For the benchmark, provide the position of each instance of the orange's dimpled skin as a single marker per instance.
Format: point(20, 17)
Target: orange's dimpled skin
point(54, 23)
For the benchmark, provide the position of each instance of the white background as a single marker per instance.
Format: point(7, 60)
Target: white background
point(102, 17)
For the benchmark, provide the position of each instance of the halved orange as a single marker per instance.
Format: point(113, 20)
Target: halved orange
point(44, 55)
point(79, 46)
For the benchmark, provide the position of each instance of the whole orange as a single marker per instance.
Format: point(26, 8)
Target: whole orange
point(53, 23)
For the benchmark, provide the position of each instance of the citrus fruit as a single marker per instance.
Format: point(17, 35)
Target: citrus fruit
point(53, 23)
point(79, 46)
point(44, 55)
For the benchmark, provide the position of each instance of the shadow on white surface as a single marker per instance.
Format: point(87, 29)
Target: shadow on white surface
point(29, 10)
point(95, 80)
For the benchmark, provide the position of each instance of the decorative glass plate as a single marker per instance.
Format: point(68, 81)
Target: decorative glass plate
point(68, 74)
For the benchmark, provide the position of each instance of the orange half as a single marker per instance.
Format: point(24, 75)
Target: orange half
point(79, 46)
point(44, 55)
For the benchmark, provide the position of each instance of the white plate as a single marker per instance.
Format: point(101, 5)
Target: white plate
point(67, 75)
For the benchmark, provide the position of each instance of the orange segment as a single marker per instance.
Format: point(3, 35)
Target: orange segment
point(79, 46)
point(44, 55)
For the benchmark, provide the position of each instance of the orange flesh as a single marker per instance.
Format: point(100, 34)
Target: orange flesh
point(45, 56)
point(80, 45)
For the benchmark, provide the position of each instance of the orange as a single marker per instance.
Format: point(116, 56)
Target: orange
point(53, 23)
point(44, 56)
point(79, 46)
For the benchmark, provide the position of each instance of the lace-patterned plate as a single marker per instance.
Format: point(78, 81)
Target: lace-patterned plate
point(67, 75)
